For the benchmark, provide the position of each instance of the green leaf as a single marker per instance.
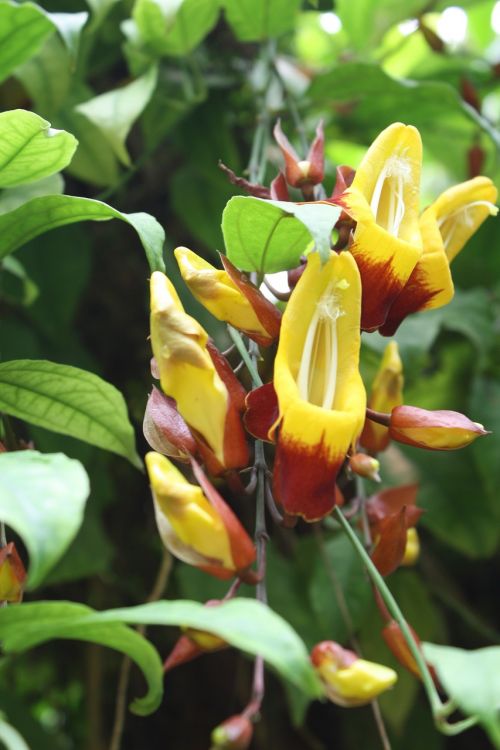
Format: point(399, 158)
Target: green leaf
point(28, 625)
point(270, 236)
point(485, 408)
point(174, 28)
point(23, 30)
point(69, 401)
point(366, 21)
point(115, 112)
point(17, 270)
point(472, 680)
point(70, 27)
point(255, 20)
point(10, 737)
point(244, 623)
point(42, 214)
point(48, 78)
point(30, 149)
point(14, 197)
point(42, 497)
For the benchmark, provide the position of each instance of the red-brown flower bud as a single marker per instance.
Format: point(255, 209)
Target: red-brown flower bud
point(436, 430)
point(164, 428)
point(233, 734)
point(302, 172)
point(395, 640)
point(12, 574)
point(365, 466)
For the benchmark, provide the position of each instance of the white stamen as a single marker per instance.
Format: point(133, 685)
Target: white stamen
point(395, 172)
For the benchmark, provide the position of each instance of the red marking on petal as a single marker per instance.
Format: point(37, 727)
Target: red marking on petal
point(267, 313)
point(262, 411)
point(416, 295)
point(242, 547)
point(304, 478)
point(380, 287)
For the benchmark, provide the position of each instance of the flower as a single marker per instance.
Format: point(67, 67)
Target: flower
point(439, 430)
point(320, 393)
point(412, 548)
point(230, 296)
point(209, 397)
point(195, 524)
point(386, 393)
point(234, 733)
point(383, 200)
point(446, 226)
point(309, 171)
point(12, 574)
point(348, 680)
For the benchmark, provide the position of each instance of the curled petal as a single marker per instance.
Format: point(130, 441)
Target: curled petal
point(390, 548)
point(391, 500)
point(262, 412)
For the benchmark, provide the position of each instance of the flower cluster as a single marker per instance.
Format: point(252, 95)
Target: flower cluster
point(388, 262)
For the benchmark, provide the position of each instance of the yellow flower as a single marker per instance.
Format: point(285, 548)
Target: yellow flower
point(320, 393)
point(239, 304)
point(196, 528)
point(348, 680)
point(386, 393)
point(446, 225)
point(188, 373)
point(412, 548)
point(384, 201)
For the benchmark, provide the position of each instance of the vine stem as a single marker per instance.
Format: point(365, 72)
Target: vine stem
point(439, 710)
point(245, 355)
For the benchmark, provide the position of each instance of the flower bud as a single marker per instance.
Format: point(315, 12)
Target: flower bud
point(396, 641)
point(412, 548)
point(299, 172)
point(365, 466)
point(386, 393)
point(230, 296)
point(164, 428)
point(348, 680)
point(196, 525)
point(12, 574)
point(439, 430)
point(233, 734)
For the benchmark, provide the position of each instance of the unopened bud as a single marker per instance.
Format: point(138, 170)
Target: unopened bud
point(365, 466)
point(436, 430)
point(412, 549)
point(233, 734)
point(396, 641)
point(348, 680)
point(12, 574)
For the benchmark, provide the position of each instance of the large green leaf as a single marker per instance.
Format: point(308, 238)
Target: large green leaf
point(366, 21)
point(70, 401)
point(243, 623)
point(269, 236)
point(42, 496)
point(115, 112)
point(255, 20)
point(175, 28)
point(23, 29)
point(472, 680)
point(48, 212)
point(30, 149)
point(28, 625)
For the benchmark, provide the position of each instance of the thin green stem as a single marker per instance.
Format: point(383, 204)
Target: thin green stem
point(395, 611)
point(247, 359)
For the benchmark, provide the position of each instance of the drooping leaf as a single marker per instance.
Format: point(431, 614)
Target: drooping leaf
point(256, 20)
point(29, 290)
point(176, 28)
point(14, 197)
point(70, 401)
point(270, 236)
point(30, 149)
point(28, 625)
point(10, 737)
point(472, 680)
point(42, 497)
point(115, 112)
point(42, 214)
point(23, 30)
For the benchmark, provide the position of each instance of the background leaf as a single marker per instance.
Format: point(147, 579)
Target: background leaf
point(30, 149)
point(70, 401)
point(42, 497)
point(176, 29)
point(48, 212)
point(256, 20)
point(23, 29)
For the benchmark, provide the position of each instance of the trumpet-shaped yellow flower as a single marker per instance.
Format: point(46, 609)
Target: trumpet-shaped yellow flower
point(446, 225)
point(215, 289)
point(348, 680)
point(187, 372)
point(386, 393)
point(195, 524)
point(384, 201)
point(320, 393)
